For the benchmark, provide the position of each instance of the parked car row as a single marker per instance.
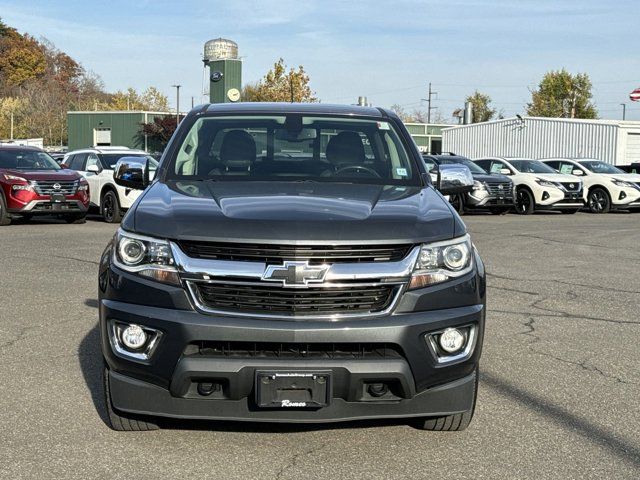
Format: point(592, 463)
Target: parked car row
point(526, 185)
point(33, 183)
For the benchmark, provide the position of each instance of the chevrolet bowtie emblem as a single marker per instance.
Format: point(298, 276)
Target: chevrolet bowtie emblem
point(295, 274)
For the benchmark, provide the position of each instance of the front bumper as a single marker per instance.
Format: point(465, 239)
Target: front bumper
point(167, 384)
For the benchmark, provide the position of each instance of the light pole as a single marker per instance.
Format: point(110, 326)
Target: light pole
point(177, 87)
point(624, 111)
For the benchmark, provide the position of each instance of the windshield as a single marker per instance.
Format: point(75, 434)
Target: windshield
point(27, 160)
point(531, 166)
point(109, 160)
point(294, 147)
point(474, 167)
point(600, 167)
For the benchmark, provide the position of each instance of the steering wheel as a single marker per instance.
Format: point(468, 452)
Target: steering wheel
point(358, 168)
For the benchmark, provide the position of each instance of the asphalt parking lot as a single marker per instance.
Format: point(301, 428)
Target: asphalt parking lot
point(558, 394)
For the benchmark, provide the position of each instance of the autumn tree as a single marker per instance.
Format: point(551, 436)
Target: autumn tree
point(481, 110)
point(150, 99)
point(21, 59)
point(281, 85)
point(561, 94)
point(159, 131)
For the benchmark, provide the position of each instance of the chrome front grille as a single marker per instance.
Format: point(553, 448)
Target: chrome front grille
point(500, 188)
point(266, 299)
point(49, 187)
point(300, 288)
point(572, 186)
point(314, 254)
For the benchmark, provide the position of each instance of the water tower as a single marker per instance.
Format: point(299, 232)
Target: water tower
point(225, 70)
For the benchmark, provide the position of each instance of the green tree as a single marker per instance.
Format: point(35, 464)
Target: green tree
point(280, 85)
point(481, 107)
point(561, 94)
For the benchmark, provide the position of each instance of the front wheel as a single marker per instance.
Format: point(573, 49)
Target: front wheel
point(4, 215)
point(122, 421)
point(450, 423)
point(599, 201)
point(525, 204)
point(111, 207)
point(457, 202)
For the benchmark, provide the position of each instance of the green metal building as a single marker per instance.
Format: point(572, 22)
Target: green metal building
point(428, 137)
point(110, 128)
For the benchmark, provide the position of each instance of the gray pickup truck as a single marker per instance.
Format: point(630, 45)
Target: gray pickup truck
point(290, 263)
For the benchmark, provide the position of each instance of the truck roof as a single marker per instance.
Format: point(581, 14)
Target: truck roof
point(285, 108)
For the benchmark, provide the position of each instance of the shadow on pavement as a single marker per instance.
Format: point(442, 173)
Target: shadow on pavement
point(564, 418)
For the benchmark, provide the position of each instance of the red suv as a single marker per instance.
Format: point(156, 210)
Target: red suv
point(32, 183)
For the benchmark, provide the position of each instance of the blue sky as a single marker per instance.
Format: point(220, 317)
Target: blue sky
point(388, 51)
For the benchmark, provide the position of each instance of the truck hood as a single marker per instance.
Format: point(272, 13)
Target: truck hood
point(44, 175)
point(293, 212)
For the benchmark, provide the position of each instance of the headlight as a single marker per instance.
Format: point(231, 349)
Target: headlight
point(441, 261)
point(146, 256)
point(546, 183)
point(14, 178)
point(622, 183)
point(479, 185)
point(84, 186)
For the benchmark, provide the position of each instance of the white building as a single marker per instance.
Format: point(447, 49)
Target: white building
point(613, 141)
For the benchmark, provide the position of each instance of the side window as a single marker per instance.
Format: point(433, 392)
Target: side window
point(496, 166)
point(484, 164)
point(555, 165)
point(68, 160)
point(78, 161)
point(565, 167)
point(92, 159)
point(429, 164)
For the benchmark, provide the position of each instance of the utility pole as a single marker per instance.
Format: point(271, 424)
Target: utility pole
point(428, 99)
point(624, 111)
point(11, 124)
point(177, 87)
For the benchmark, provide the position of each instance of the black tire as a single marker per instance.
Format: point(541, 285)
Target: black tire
point(121, 421)
point(599, 201)
point(571, 211)
point(5, 219)
point(499, 210)
point(524, 203)
point(457, 202)
point(110, 207)
point(450, 423)
point(76, 219)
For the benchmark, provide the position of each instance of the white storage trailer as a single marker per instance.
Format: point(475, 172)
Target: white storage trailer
point(612, 141)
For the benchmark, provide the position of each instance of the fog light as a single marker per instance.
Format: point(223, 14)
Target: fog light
point(451, 340)
point(134, 337)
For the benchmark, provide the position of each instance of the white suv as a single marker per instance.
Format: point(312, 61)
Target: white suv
point(96, 165)
point(605, 186)
point(538, 186)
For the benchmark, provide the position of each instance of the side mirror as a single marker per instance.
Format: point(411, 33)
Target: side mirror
point(577, 172)
point(505, 171)
point(454, 178)
point(93, 169)
point(132, 172)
